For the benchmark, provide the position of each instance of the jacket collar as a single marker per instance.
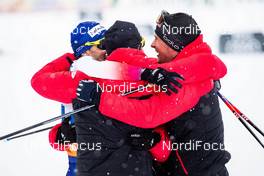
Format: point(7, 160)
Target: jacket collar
point(195, 47)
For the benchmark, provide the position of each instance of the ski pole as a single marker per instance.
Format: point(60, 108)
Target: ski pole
point(26, 134)
point(241, 117)
point(47, 121)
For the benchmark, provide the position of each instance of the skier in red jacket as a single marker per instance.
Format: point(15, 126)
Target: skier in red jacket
point(193, 114)
point(62, 136)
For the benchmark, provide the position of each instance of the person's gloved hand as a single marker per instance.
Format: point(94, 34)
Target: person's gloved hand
point(143, 140)
point(162, 77)
point(66, 132)
point(89, 91)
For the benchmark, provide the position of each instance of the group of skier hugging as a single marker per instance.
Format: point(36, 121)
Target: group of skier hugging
point(169, 102)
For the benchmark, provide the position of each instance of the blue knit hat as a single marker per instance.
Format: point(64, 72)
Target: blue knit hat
point(89, 31)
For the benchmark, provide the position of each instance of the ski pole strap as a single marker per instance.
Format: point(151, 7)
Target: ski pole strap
point(47, 121)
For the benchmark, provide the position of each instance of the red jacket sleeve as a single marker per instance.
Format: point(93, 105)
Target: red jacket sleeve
point(197, 68)
point(199, 71)
point(155, 111)
point(132, 57)
point(54, 81)
point(194, 68)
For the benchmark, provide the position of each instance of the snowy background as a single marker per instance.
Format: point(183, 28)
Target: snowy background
point(32, 34)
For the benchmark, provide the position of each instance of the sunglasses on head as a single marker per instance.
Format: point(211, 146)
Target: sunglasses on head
point(161, 18)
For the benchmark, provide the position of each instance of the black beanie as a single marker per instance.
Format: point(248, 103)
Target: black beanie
point(121, 34)
point(178, 30)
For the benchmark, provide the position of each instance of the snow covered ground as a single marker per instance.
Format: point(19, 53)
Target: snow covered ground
point(30, 40)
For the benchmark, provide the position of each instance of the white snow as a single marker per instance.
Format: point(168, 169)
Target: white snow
point(30, 40)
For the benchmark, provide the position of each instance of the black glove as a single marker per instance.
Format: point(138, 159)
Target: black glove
point(89, 92)
point(66, 132)
point(143, 140)
point(162, 77)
